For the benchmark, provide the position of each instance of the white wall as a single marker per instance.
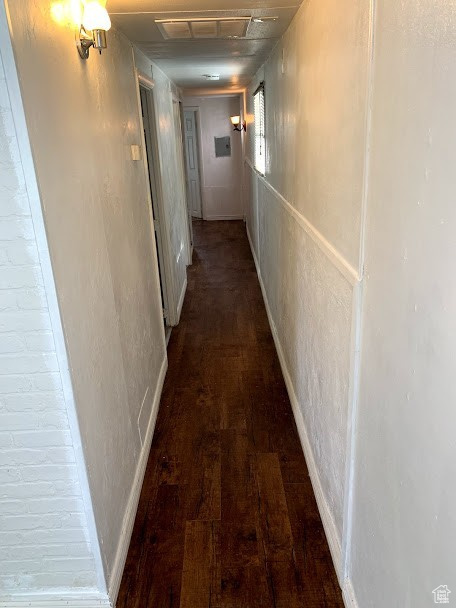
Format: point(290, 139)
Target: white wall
point(82, 118)
point(353, 230)
point(304, 219)
point(404, 516)
point(220, 177)
point(45, 540)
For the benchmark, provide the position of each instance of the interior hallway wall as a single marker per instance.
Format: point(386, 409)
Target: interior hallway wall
point(304, 218)
point(220, 177)
point(404, 519)
point(44, 520)
point(82, 118)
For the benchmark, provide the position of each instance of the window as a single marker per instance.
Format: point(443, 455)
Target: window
point(260, 142)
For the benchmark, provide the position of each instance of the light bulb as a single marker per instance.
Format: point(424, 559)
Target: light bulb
point(95, 17)
point(235, 120)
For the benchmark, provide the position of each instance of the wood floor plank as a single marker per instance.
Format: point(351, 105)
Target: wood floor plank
point(245, 587)
point(240, 532)
point(286, 588)
point(227, 517)
point(204, 492)
point(275, 522)
point(201, 579)
point(165, 580)
point(152, 575)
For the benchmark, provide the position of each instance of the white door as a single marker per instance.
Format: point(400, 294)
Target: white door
point(180, 151)
point(191, 149)
point(158, 226)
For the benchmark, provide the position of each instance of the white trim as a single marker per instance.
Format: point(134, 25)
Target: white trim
point(348, 595)
point(62, 601)
point(162, 282)
point(199, 139)
point(180, 157)
point(132, 505)
point(169, 271)
point(344, 267)
point(181, 299)
point(187, 186)
point(34, 197)
point(143, 78)
point(212, 218)
point(325, 513)
point(353, 392)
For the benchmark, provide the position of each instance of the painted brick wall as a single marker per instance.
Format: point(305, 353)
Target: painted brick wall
point(44, 542)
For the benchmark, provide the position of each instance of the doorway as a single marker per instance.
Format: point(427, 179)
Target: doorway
point(181, 158)
point(144, 94)
point(192, 161)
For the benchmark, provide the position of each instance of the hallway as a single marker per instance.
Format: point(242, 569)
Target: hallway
point(227, 516)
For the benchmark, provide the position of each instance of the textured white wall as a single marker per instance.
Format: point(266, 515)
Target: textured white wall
point(317, 80)
point(82, 118)
point(404, 518)
point(359, 187)
point(303, 218)
point(44, 540)
point(220, 177)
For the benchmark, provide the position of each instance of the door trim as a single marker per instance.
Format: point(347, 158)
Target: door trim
point(144, 81)
point(187, 185)
point(180, 151)
point(196, 110)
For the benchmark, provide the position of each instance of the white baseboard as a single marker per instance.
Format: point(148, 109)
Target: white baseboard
point(132, 506)
point(348, 594)
point(325, 513)
point(181, 299)
point(213, 218)
point(60, 600)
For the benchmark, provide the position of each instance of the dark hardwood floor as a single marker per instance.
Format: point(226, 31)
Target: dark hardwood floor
point(227, 517)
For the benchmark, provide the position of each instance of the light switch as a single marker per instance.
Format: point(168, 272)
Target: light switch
point(135, 152)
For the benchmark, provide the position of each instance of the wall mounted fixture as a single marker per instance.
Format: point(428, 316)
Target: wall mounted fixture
point(92, 32)
point(236, 122)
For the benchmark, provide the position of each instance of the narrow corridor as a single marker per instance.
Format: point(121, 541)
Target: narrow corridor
point(227, 516)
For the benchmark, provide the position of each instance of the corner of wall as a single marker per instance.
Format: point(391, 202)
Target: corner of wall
point(356, 332)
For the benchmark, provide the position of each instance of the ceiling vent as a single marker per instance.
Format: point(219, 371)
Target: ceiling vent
point(233, 29)
point(203, 28)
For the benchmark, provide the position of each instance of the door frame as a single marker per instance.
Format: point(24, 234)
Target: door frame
point(197, 111)
point(187, 186)
point(155, 192)
point(180, 151)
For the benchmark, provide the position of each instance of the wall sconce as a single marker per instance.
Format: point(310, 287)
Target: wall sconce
point(236, 122)
point(92, 32)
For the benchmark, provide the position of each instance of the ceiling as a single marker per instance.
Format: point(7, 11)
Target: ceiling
point(189, 59)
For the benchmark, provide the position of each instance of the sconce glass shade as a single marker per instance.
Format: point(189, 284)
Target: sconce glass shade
point(95, 17)
point(235, 120)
